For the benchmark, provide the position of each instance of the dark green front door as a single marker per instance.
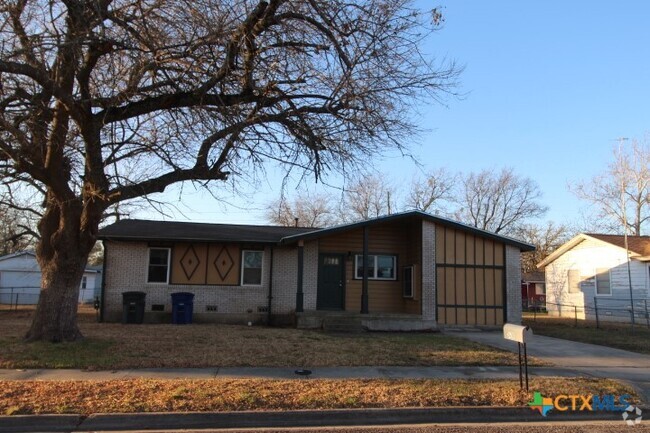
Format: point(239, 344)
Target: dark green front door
point(331, 282)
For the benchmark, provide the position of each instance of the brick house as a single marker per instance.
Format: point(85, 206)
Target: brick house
point(421, 271)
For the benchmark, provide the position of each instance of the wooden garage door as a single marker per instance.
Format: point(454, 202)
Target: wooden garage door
point(470, 279)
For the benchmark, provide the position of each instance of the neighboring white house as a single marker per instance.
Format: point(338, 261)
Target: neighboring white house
point(591, 270)
point(20, 280)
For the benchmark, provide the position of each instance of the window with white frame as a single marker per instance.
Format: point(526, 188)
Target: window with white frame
point(603, 282)
point(251, 269)
point(573, 276)
point(377, 268)
point(84, 282)
point(158, 265)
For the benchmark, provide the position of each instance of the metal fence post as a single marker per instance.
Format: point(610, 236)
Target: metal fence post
point(596, 308)
point(647, 317)
point(16, 309)
point(575, 315)
point(631, 311)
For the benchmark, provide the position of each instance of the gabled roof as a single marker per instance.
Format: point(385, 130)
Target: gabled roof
point(639, 246)
point(18, 254)
point(405, 215)
point(33, 254)
point(145, 230)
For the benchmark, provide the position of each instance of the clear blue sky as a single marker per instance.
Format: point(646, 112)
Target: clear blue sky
point(549, 87)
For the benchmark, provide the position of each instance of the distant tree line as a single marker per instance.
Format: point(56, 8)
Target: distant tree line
point(500, 201)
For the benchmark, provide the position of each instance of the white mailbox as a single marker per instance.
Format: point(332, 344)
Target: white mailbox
point(516, 333)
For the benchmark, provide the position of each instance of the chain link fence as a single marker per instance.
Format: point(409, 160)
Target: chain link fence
point(620, 311)
point(26, 298)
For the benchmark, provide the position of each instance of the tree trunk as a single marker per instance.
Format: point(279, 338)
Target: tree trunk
point(55, 319)
point(62, 254)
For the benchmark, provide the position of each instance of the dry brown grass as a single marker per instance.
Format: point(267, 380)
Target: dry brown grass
point(117, 346)
point(141, 395)
point(612, 334)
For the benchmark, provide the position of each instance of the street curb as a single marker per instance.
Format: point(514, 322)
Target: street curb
point(297, 418)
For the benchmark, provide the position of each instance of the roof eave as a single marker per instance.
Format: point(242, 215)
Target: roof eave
point(435, 219)
point(168, 239)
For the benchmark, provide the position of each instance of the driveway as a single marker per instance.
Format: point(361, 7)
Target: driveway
point(588, 359)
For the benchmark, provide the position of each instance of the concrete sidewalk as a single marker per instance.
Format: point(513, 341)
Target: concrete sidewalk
point(289, 373)
point(581, 358)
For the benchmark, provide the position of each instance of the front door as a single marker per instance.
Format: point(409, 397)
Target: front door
point(331, 282)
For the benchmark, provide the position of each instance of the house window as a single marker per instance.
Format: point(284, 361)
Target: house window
point(251, 270)
point(540, 288)
point(378, 267)
point(407, 282)
point(574, 281)
point(603, 285)
point(84, 282)
point(158, 265)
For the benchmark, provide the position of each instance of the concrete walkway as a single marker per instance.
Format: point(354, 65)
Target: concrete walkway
point(288, 373)
point(582, 358)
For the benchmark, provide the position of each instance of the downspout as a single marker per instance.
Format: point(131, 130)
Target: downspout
point(299, 292)
point(364, 281)
point(268, 309)
point(103, 287)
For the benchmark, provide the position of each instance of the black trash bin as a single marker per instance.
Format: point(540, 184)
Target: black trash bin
point(182, 308)
point(133, 307)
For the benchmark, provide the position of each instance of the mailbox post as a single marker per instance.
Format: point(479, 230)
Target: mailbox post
point(519, 334)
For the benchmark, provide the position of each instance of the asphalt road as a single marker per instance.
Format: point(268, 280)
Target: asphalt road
point(565, 427)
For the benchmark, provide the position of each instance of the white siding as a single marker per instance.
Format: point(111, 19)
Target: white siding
point(586, 257)
point(20, 281)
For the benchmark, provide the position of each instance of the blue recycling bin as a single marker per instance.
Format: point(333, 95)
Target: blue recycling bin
point(182, 308)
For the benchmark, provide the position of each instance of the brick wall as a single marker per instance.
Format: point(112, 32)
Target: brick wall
point(513, 283)
point(310, 275)
point(127, 264)
point(428, 270)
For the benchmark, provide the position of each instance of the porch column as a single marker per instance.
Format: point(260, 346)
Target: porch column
point(299, 292)
point(364, 281)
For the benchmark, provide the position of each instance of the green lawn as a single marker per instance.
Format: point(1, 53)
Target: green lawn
point(610, 334)
point(116, 346)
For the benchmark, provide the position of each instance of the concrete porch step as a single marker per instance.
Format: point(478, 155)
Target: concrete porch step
point(343, 324)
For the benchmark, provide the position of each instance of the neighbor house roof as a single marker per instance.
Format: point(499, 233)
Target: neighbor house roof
point(639, 246)
point(18, 254)
point(532, 277)
point(145, 230)
point(405, 215)
point(636, 244)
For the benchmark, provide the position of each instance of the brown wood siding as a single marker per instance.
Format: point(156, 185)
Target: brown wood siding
point(404, 240)
point(469, 278)
point(197, 264)
point(220, 259)
point(188, 263)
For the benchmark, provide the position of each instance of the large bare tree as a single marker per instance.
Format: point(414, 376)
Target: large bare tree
point(368, 197)
point(303, 210)
point(546, 237)
point(433, 192)
point(498, 201)
point(104, 101)
point(621, 193)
